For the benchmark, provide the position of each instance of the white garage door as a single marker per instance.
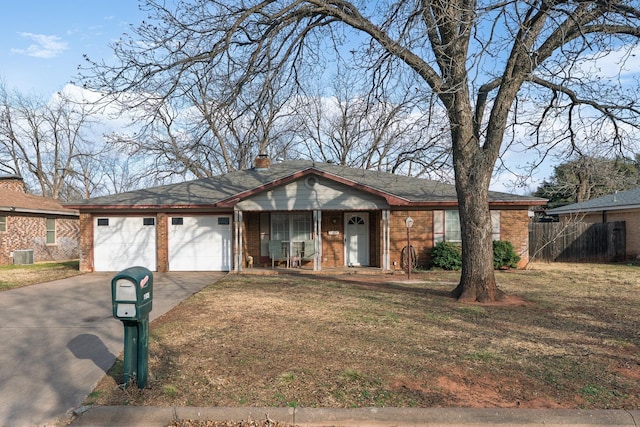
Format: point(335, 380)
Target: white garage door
point(200, 243)
point(123, 242)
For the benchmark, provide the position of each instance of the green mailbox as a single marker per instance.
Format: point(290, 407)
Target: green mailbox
point(132, 293)
point(132, 299)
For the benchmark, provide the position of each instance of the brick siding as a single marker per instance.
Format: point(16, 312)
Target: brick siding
point(26, 231)
point(375, 239)
point(86, 242)
point(421, 236)
point(162, 242)
point(251, 239)
point(16, 185)
point(514, 228)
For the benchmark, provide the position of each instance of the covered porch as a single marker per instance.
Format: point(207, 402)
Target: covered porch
point(312, 240)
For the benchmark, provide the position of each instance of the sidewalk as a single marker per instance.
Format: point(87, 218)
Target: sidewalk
point(145, 416)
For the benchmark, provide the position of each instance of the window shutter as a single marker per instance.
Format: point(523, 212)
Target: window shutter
point(438, 226)
point(495, 225)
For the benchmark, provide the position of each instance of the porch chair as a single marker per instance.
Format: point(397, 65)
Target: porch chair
point(276, 253)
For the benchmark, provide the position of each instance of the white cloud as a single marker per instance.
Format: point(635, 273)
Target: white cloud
point(44, 46)
point(619, 63)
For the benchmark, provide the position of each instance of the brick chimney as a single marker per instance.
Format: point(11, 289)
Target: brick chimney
point(12, 183)
point(262, 162)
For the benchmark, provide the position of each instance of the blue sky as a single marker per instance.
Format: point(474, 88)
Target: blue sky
point(42, 41)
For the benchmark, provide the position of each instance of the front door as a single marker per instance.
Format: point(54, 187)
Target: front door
point(356, 239)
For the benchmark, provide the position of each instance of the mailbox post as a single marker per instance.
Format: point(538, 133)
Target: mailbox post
point(409, 223)
point(132, 298)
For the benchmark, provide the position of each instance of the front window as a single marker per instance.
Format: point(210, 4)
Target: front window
point(51, 231)
point(452, 231)
point(280, 226)
point(292, 228)
point(446, 226)
point(3, 223)
point(300, 226)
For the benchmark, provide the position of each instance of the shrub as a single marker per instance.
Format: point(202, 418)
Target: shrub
point(446, 255)
point(504, 255)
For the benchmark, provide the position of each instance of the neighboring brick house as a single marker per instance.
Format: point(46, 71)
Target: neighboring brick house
point(297, 212)
point(622, 206)
point(33, 223)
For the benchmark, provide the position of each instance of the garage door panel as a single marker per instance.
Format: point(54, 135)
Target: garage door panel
point(122, 242)
point(200, 243)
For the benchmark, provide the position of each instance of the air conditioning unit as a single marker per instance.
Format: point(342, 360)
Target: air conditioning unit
point(23, 256)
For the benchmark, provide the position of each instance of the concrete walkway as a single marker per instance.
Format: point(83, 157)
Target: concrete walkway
point(59, 338)
point(364, 417)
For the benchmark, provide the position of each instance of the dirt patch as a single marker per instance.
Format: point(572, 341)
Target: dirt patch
point(566, 337)
point(508, 300)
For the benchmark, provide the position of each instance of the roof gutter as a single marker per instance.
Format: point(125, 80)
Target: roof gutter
point(139, 207)
point(560, 211)
point(13, 209)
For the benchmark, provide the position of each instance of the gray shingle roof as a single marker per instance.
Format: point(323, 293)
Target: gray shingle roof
point(629, 199)
point(209, 191)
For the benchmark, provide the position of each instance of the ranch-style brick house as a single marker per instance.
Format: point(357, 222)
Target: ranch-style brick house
point(35, 228)
point(290, 214)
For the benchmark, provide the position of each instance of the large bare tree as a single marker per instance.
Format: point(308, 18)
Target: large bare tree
point(345, 123)
point(48, 142)
point(203, 125)
point(491, 65)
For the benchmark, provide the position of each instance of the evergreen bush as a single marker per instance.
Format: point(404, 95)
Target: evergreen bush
point(446, 255)
point(504, 255)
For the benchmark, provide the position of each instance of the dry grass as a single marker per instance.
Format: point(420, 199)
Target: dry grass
point(570, 340)
point(15, 276)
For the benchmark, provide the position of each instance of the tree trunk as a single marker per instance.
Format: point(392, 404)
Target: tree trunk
point(477, 282)
point(473, 168)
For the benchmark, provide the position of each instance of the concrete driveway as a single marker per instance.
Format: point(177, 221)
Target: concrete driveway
point(57, 339)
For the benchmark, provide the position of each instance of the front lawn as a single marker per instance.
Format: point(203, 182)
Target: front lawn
point(570, 339)
point(15, 276)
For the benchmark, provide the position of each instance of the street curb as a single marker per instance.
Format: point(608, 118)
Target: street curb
point(152, 416)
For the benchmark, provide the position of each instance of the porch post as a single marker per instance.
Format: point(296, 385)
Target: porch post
point(386, 242)
point(317, 242)
point(237, 237)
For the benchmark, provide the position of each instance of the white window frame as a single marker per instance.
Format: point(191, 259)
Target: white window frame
point(51, 231)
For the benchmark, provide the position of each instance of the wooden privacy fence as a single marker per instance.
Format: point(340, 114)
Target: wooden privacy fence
point(577, 241)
